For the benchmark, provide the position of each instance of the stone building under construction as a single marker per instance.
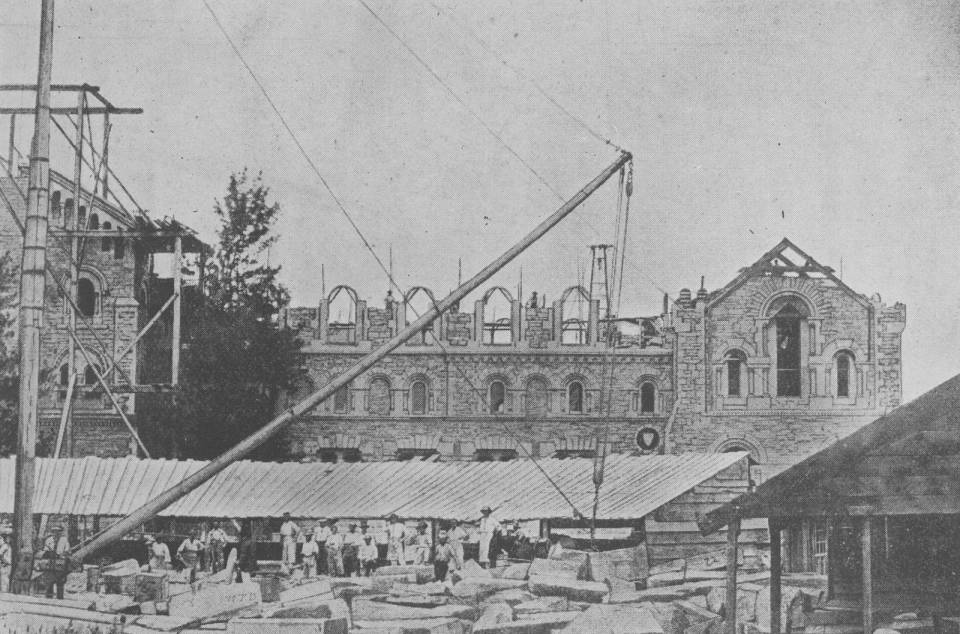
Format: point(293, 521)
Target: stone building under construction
point(781, 361)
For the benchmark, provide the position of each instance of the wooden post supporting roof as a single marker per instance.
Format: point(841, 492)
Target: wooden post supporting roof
point(775, 578)
point(177, 282)
point(733, 533)
point(867, 559)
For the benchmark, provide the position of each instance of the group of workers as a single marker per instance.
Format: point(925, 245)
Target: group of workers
point(325, 549)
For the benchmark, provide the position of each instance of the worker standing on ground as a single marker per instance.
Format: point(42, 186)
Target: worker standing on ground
point(369, 555)
point(422, 545)
point(445, 557)
point(216, 547)
point(489, 526)
point(288, 535)
point(334, 546)
point(396, 534)
point(457, 535)
point(320, 534)
point(246, 552)
point(189, 553)
point(352, 542)
point(158, 554)
point(310, 551)
point(52, 576)
point(63, 544)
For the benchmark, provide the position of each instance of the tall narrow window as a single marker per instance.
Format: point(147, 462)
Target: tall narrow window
point(90, 376)
point(86, 297)
point(378, 398)
point(575, 397)
point(64, 374)
point(788, 351)
point(119, 248)
point(418, 398)
point(735, 366)
point(341, 400)
point(106, 244)
point(843, 375)
point(497, 397)
point(648, 398)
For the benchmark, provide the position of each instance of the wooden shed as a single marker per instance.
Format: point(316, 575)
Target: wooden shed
point(888, 497)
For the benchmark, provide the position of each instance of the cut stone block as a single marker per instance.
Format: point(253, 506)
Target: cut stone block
point(614, 619)
point(591, 591)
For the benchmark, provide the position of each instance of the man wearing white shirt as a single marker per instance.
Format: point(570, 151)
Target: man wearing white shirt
point(396, 538)
point(288, 535)
point(310, 551)
point(489, 525)
point(334, 547)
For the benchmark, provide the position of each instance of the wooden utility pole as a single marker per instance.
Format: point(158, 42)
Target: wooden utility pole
point(177, 292)
point(32, 293)
point(245, 446)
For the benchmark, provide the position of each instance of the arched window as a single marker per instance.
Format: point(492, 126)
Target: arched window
point(735, 365)
point(106, 244)
point(94, 221)
point(341, 400)
point(64, 374)
point(418, 397)
point(575, 397)
point(537, 405)
point(342, 315)
point(90, 376)
point(496, 397)
point(844, 363)
point(575, 311)
point(87, 297)
point(648, 398)
point(378, 399)
point(82, 218)
point(497, 317)
point(787, 323)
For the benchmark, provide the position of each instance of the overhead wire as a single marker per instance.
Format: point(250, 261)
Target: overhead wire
point(363, 238)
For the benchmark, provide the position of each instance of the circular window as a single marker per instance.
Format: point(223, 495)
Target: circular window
point(648, 439)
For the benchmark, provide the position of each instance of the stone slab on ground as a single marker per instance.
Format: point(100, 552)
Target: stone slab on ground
point(215, 600)
point(591, 591)
point(614, 619)
point(288, 626)
point(513, 596)
point(478, 589)
point(628, 564)
point(516, 571)
point(668, 593)
point(423, 574)
point(316, 588)
point(380, 584)
point(543, 604)
point(494, 614)
point(472, 569)
point(415, 626)
point(544, 623)
point(665, 579)
point(368, 609)
point(82, 601)
point(696, 612)
point(570, 569)
point(434, 588)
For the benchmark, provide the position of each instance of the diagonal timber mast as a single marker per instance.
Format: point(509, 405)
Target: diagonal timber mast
point(174, 493)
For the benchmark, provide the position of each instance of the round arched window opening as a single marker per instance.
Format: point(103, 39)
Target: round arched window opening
point(497, 395)
point(87, 297)
point(648, 398)
point(418, 397)
point(575, 397)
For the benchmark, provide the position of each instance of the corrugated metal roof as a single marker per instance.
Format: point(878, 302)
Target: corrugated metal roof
point(634, 486)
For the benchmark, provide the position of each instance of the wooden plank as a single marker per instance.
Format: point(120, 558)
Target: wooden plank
point(731, 615)
point(54, 111)
point(775, 572)
point(867, 585)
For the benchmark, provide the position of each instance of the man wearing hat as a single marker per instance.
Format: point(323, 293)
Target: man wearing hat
point(310, 551)
point(63, 544)
point(369, 556)
point(352, 542)
point(422, 545)
point(489, 525)
point(158, 554)
point(189, 553)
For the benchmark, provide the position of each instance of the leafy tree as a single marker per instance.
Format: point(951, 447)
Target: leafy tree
point(237, 359)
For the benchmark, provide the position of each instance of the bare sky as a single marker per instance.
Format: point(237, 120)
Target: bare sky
point(834, 124)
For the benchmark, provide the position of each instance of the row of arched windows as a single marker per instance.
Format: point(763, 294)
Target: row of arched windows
point(735, 366)
point(417, 398)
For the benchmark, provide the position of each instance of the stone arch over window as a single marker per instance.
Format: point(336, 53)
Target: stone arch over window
point(497, 316)
point(735, 372)
point(576, 395)
point(648, 396)
point(845, 374)
point(90, 291)
point(342, 304)
point(419, 395)
point(496, 395)
point(758, 455)
point(537, 397)
point(787, 338)
point(416, 302)
point(575, 316)
point(379, 396)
